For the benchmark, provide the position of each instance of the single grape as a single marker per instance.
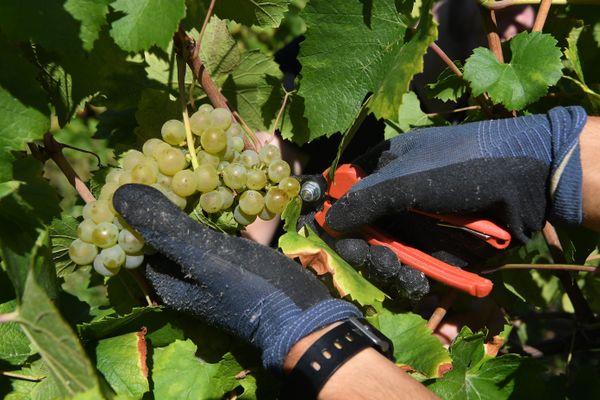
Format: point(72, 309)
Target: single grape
point(211, 202)
point(107, 191)
point(101, 269)
point(175, 199)
point(149, 146)
point(199, 121)
point(143, 173)
point(243, 218)
point(256, 179)
point(226, 196)
point(112, 258)
point(249, 158)
point(159, 149)
point(266, 215)
point(206, 158)
point(276, 200)
point(269, 153)
point(290, 186)
point(205, 108)
point(131, 158)
point(228, 153)
point(164, 179)
point(184, 183)
point(125, 178)
point(82, 253)
point(98, 211)
point(85, 229)
point(238, 143)
point(278, 170)
point(213, 140)
point(207, 178)
point(235, 130)
point(251, 202)
point(105, 234)
point(220, 118)
point(170, 161)
point(130, 242)
point(173, 132)
point(113, 175)
point(234, 176)
point(222, 165)
point(133, 261)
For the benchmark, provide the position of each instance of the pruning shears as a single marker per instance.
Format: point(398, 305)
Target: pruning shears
point(347, 175)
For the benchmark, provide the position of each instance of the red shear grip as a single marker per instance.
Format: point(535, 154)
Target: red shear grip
point(463, 280)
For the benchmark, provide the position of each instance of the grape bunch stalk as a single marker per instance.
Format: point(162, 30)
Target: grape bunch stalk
point(227, 179)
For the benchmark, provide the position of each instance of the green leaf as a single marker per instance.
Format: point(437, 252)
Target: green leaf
point(410, 115)
point(92, 15)
point(577, 243)
point(84, 296)
point(122, 362)
point(154, 109)
point(448, 86)
point(14, 346)
point(267, 13)
point(220, 52)
point(55, 341)
point(314, 252)
point(44, 386)
point(291, 213)
point(62, 233)
point(177, 373)
point(353, 48)
point(414, 344)
point(146, 23)
point(114, 324)
point(535, 65)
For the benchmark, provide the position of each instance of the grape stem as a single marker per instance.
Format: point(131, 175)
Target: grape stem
point(9, 317)
point(542, 14)
point(444, 57)
point(281, 109)
point(14, 375)
point(491, 29)
point(561, 267)
point(204, 25)
point(184, 111)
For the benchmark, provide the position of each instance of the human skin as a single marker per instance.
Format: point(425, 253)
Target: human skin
point(369, 375)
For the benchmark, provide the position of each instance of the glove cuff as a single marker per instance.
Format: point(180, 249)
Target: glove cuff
point(295, 326)
point(566, 174)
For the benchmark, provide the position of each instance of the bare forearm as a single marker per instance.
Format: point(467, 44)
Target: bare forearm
point(367, 375)
point(590, 163)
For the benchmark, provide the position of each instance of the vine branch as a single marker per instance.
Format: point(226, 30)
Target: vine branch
point(442, 54)
point(542, 14)
point(491, 29)
point(440, 312)
point(556, 267)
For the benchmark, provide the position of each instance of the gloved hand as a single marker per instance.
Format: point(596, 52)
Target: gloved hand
point(245, 288)
point(517, 172)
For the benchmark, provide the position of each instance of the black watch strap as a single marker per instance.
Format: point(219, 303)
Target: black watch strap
point(330, 352)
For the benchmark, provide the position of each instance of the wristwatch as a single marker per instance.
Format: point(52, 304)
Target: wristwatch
point(330, 352)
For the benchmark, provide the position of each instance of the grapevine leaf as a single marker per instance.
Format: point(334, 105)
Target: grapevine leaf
point(92, 15)
point(177, 373)
point(84, 296)
point(535, 65)
point(415, 347)
point(124, 293)
point(146, 23)
point(290, 214)
point(351, 49)
point(267, 13)
point(410, 115)
point(46, 388)
point(14, 346)
point(113, 324)
point(122, 362)
point(448, 86)
point(314, 253)
point(55, 341)
point(219, 52)
point(62, 232)
point(154, 109)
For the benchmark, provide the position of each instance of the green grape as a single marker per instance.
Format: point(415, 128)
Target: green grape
point(290, 186)
point(226, 196)
point(213, 140)
point(234, 176)
point(276, 200)
point(251, 202)
point(107, 191)
point(278, 170)
point(130, 242)
point(143, 173)
point(243, 218)
point(222, 165)
point(249, 158)
point(105, 234)
point(133, 261)
point(184, 183)
point(98, 211)
point(206, 158)
point(150, 145)
point(266, 215)
point(164, 179)
point(85, 229)
point(269, 153)
point(205, 108)
point(256, 179)
point(110, 261)
point(207, 178)
point(228, 153)
point(170, 161)
point(199, 121)
point(220, 118)
point(101, 269)
point(159, 149)
point(175, 199)
point(173, 132)
point(125, 178)
point(113, 175)
point(131, 158)
point(235, 130)
point(211, 202)
point(238, 143)
point(82, 253)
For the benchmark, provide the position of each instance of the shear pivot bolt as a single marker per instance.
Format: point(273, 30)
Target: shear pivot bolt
point(310, 191)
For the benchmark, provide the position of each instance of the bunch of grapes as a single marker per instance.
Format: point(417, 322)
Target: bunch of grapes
point(227, 179)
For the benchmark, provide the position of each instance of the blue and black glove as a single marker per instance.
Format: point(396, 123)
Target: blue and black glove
point(250, 290)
